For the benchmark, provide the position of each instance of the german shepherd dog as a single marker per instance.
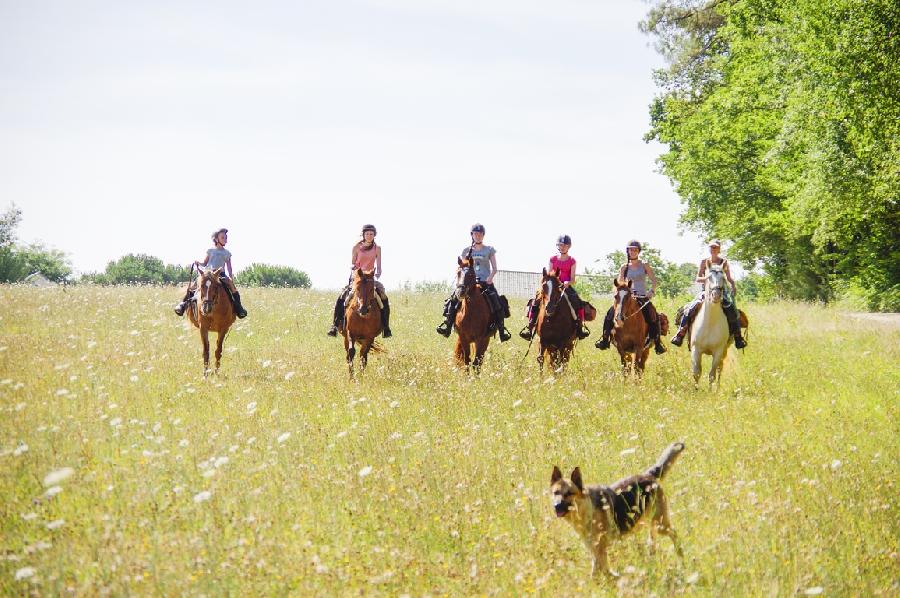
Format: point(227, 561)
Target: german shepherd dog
point(602, 514)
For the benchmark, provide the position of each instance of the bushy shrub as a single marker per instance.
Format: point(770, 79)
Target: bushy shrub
point(265, 275)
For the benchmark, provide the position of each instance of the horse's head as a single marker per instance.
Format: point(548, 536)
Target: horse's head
point(209, 285)
point(465, 277)
point(551, 291)
point(621, 298)
point(714, 286)
point(363, 290)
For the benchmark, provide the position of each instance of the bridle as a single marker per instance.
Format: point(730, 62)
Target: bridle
point(714, 286)
point(551, 286)
point(364, 287)
point(209, 287)
point(622, 294)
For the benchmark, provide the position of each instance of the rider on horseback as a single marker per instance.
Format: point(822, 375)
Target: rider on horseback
point(564, 265)
point(638, 272)
point(216, 257)
point(728, 305)
point(485, 264)
point(366, 255)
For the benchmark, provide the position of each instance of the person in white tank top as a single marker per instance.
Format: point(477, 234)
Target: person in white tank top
point(366, 255)
point(639, 273)
point(216, 257)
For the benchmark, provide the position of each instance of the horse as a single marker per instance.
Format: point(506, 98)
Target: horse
point(556, 324)
point(473, 318)
point(216, 313)
point(362, 318)
point(629, 333)
point(709, 333)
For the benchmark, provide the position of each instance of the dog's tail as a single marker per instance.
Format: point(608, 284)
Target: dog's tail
point(669, 456)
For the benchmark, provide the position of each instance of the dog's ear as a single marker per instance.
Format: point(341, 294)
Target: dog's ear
point(576, 479)
point(557, 475)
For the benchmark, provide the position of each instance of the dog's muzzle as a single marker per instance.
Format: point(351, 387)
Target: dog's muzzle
point(561, 508)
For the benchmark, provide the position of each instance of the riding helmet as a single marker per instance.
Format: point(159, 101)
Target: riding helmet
point(564, 239)
point(715, 243)
point(633, 243)
point(477, 228)
point(369, 227)
point(216, 234)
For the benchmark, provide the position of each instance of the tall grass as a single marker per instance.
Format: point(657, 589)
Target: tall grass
point(282, 476)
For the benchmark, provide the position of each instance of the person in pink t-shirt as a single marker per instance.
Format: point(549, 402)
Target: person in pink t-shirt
point(564, 265)
point(366, 255)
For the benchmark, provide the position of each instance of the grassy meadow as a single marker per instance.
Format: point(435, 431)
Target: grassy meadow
point(123, 471)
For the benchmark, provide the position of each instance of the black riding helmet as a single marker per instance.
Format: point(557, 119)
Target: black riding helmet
point(564, 239)
point(216, 234)
point(369, 227)
point(477, 228)
point(633, 243)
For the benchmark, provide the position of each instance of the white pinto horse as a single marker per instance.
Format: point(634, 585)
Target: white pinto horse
point(709, 332)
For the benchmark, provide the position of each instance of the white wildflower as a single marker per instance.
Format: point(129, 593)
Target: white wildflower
point(835, 464)
point(289, 375)
point(202, 496)
point(365, 471)
point(629, 451)
point(62, 392)
point(22, 448)
point(56, 524)
point(814, 591)
point(284, 437)
point(53, 491)
point(24, 573)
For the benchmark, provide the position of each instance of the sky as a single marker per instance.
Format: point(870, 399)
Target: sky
point(142, 126)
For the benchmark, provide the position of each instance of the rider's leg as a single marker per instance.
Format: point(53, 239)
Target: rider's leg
point(235, 297)
point(603, 343)
point(652, 319)
point(533, 308)
point(385, 311)
point(578, 306)
point(188, 293)
point(451, 305)
point(734, 324)
point(688, 313)
point(338, 316)
point(497, 316)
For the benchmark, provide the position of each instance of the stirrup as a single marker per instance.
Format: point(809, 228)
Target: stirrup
point(602, 344)
point(739, 342)
point(582, 332)
point(386, 332)
point(659, 348)
point(333, 331)
point(526, 333)
point(678, 339)
point(445, 329)
point(505, 335)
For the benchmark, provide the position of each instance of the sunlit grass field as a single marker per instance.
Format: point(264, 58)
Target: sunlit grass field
point(280, 476)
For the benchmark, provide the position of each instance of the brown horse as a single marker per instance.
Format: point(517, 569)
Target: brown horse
point(472, 318)
point(215, 314)
point(629, 332)
point(362, 318)
point(556, 326)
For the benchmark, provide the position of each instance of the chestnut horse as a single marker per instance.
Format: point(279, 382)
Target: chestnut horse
point(629, 333)
point(556, 326)
point(362, 318)
point(215, 314)
point(472, 318)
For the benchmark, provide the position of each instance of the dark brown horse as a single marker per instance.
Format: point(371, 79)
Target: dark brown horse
point(215, 312)
point(362, 318)
point(556, 323)
point(629, 333)
point(472, 318)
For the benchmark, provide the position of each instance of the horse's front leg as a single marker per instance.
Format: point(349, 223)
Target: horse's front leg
point(715, 368)
point(350, 349)
point(204, 337)
point(219, 342)
point(364, 347)
point(481, 346)
point(696, 362)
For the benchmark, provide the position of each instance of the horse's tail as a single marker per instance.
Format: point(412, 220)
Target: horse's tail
point(376, 347)
point(669, 456)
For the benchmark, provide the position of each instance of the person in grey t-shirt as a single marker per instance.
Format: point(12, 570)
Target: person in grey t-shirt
point(216, 257)
point(485, 264)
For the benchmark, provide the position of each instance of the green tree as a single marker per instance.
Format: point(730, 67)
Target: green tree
point(782, 125)
point(265, 275)
point(17, 261)
point(673, 280)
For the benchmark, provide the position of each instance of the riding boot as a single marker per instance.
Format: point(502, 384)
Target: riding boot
point(527, 332)
point(238, 308)
point(497, 315)
point(734, 326)
point(450, 308)
point(179, 309)
point(385, 319)
point(603, 343)
point(685, 323)
point(504, 333)
point(581, 330)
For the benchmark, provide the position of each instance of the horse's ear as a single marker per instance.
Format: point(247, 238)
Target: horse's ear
point(615, 282)
point(544, 272)
point(629, 283)
point(359, 272)
point(459, 261)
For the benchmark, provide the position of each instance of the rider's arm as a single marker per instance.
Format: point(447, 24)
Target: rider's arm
point(228, 265)
point(493, 262)
point(205, 260)
point(378, 261)
point(701, 273)
point(622, 271)
point(652, 278)
point(728, 277)
point(572, 279)
point(353, 256)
